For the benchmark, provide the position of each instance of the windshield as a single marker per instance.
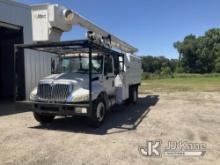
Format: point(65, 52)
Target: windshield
point(80, 65)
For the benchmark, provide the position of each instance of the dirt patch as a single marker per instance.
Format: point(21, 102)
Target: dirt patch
point(189, 116)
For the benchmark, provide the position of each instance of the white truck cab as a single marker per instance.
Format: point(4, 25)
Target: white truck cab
point(115, 80)
point(91, 76)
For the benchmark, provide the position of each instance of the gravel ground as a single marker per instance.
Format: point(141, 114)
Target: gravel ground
point(188, 116)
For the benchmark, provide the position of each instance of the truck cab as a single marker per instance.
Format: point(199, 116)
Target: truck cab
point(114, 80)
point(92, 75)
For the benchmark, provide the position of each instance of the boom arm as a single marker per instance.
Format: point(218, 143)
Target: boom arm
point(115, 42)
point(59, 19)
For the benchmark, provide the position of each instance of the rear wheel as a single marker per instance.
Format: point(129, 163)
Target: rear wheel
point(98, 113)
point(133, 94)
point(44, 118)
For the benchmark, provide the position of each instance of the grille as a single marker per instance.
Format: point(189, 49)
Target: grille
point(54, 92)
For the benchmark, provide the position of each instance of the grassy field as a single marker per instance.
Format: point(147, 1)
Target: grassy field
point(206, 84)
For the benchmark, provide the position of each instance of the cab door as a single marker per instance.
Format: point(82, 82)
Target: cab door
point(109, 76)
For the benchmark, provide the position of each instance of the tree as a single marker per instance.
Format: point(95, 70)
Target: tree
point(187, 51)
point(166, 71)
point(199, 54)
point(217, 65)
point(156, 65)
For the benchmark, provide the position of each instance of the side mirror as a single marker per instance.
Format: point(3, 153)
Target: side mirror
point(116, 71)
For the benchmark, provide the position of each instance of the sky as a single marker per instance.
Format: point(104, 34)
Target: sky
point(152, 26)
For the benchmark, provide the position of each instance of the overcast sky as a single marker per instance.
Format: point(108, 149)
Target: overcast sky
point(150, 25)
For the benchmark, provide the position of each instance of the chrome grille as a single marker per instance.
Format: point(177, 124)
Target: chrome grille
point(54, 92)
point(60, 92)
point(44, 91)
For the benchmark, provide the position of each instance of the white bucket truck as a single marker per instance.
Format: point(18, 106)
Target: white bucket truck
point(90, 77)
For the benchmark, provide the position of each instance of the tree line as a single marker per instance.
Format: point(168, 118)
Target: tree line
point(196, 55)
point(159, 65)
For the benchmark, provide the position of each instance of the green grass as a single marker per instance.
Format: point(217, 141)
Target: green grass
point(181, 84)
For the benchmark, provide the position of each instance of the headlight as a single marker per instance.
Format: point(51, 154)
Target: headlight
point(81, 98)
point(79, 95)
point(33, 95)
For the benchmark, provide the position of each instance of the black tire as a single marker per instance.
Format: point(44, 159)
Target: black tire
point(133, 94)
point(98, 113)
point(44, 118)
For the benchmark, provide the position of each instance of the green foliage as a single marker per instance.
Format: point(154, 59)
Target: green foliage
point(196, 55)
point(166, 72)
point(195, 82)
point(217, 65)
point(195, 75)
point(200, 54)
point(146, 76)
point(179, 69)
point(159, 66)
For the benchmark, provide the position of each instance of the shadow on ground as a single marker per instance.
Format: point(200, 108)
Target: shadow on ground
point(123, 118)
point(10, 108)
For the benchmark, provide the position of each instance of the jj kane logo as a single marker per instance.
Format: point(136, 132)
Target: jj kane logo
point(184, 148)
point(151, 149)
point(173, 148)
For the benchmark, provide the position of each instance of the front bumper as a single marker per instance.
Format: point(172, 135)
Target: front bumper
point(60, 109)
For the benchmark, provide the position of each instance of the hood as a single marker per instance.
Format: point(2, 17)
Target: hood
point(78, 79)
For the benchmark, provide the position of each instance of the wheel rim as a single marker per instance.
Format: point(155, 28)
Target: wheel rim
point(135, 96)
point(100, 112)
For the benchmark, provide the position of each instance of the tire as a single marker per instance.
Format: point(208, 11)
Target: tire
point(44, 118)
point(98, 113)
point(133, 94)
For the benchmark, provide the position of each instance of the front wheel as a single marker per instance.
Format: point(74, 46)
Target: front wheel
point(43, 118)
point(98, 113)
